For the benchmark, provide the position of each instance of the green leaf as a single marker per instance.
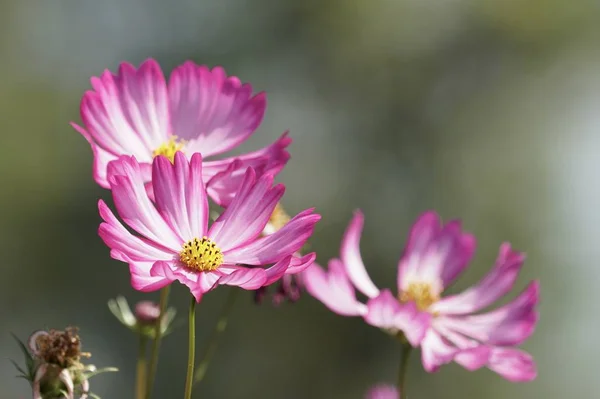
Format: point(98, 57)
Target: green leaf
point(91, 374)
point(26, 353)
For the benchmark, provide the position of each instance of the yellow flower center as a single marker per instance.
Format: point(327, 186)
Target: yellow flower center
point(421, 294)
point(169, 148)
point(279, 217)
point(201, 255)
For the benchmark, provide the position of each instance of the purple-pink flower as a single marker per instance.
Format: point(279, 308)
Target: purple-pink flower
point(136, 112)
point(454, 328)
point(174, 241)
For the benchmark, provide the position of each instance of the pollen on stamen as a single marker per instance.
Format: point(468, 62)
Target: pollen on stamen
point(201, 255)
point(421, 294)
point(279, 217)
point(169, 148)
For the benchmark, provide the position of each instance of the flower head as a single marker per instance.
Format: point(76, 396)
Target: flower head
point(383, 392)
point(135, 112)
point(446, 328)
point(144, 317)
point(53, 365)
point(174, 241)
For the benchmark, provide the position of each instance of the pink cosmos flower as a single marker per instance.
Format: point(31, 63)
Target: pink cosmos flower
point(175, 242)
point(135, 112)
point(383, 392)
point(447, 329)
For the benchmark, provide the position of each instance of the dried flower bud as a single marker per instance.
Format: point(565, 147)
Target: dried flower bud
point(53, 365)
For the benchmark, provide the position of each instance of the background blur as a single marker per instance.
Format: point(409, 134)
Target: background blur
point(482, 109)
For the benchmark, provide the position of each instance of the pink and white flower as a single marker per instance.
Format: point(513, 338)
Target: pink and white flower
point(447, 329)
point(136, 112)
point(175, 242)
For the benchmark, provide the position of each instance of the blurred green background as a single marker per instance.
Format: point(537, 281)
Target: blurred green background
point(485, 110)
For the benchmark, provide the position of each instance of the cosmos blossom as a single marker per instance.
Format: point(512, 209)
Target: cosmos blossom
point(453, 328)
point(174, 241)
point(135, 112)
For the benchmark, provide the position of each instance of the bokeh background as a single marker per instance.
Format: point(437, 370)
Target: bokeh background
point(485, 110)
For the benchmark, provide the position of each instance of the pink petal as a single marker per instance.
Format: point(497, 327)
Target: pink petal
point(102, 157)
point(224, 179)
point(384, 311)
point(286, 241)
point(248, 213)
point(498, 282)
point(275, 272)
point(142, 280)
point(473, 358)
point(436, 351)
point(333, 288)
point(66, 379)
point(213, 112)
point(39, 374)
point(513, 364)
point(32, 341)
point(118, 238)
point(222, 187)
point(85, 388)
point(198, 282)
point(127, 113)
point(352, 260)
point(511, 324)
point(438, 257)
point(301, 263)
point(136, 209)
point(246, 278)
point(180, 194)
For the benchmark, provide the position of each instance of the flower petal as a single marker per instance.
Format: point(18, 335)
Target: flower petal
point(66, 379)
point(352, 260)
point(180, 194)
point(102, 157)
point(498, 282)
point(269, 160)
point(384, 311)
point(246, 278)
point(301, 263)
point(511, 324)
point(436, 258)
point(333, 288)
point(513, 364)
point(286, 241)
point(136, 209)
point(213, 112)
point(39, 374)
point(118, 238)
point(127, 113)
point(473, 358)
point(248, 213)
point(32, 341)
point(436, 351)
point(198, 282)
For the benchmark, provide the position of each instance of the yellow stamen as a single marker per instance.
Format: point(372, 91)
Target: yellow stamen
point(169, 148)
point(279, 217)
point(421, 294)
point(201, 255)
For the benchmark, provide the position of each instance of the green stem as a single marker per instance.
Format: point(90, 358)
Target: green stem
point(189, 380)
point(140, 381)
point(164, 300)
point(405, 354)
point(213, 342)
